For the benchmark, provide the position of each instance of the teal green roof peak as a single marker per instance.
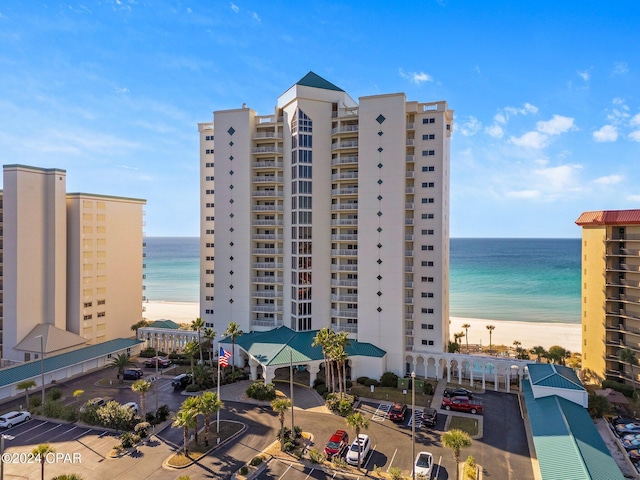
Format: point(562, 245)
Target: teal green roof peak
point(313, 80)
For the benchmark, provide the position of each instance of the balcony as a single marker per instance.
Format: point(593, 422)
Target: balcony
point(266, 134)
point(408, 206)
point(267, 251)
point(266, 265)
point(408, 238)
point(409, 190)
point(408, 332)
point(347, 313)
point(408, 268)
point(267, 179)
point(345, 328)
point(344, 253)
point(267, 208)
point(410, 158)
point(344, 298)
point(408, 316)
point(408, 284)
point(410, 174)
point(344, 128)
point(267, 223)
point(411, 142)
point(267, 164)
point(344, 268)
point(267, 149)
point(266, 236)
point(630, 268)
point(272, 323)
point(408, 253)
point(411, 126)
point(344, 144)
point(344, 206)
point(345, 237)
point(344, 176)
point(337, 222)
point(344, 283)
point(345, 191)
point(267, 309)
point(408, 300)
point(266, 279)
point(343, 160)
point(267, 193)
point(408, 221)
point(629, 298)
point(266, 294)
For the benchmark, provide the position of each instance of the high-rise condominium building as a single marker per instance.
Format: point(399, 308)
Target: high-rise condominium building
point(72, 264)
point(329, 213)
point(610, 293)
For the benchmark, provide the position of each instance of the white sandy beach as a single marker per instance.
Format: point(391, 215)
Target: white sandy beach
point(567, 335)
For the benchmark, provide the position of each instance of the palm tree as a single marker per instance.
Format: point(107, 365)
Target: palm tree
point(628, 356)
point(40, 452)
point(185, 418)
point(210, 335)
point(458, 336)
point(491, 328)
point(456, 440)
point(121, 361)
point(198, 325)
point(136, 326)
point(142, 387)
point(193, 404)
point(190, 349)
point(210, 404)
point(466, 327)
point(281, 406)
point(539, 352)
point(26, 385)
point(324, 339)
point(357, 421)
point(233, 331)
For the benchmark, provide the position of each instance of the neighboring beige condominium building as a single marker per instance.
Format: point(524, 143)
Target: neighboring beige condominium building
point(72, 264)
point(610, 293)
point(329, 213)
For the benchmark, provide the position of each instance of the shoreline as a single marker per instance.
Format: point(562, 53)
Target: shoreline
point(530, 334)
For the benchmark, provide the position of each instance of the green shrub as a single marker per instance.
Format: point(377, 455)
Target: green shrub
point(260, 391)
point(371, 381)
point(127, 440)
point(348, 383)
point(395, 473)
point(598, 405)
point(244, 470)
point(428, 388)
point(626, 390)
point(345, 408)
point(286, 431)
point(325, 395)
point(255, 461)
point(322, 388)
point(192, 388)
point(470, 468)
point(148, 352)
point(316, 457)
point(151, 418)
point(35, 401)
point(318, 381)
point(361, 380)
point(54, 394)
point(289, 446)
point(298, 431)
point(341, 405)
point(389, 379)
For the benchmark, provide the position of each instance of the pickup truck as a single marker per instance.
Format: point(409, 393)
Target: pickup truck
point(462, 404)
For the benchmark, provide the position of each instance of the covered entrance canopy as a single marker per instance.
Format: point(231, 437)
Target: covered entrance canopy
point(282, 346)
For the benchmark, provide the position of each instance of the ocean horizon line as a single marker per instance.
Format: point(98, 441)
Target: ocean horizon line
point(451, 238)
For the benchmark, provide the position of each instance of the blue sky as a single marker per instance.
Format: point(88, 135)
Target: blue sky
point(545, 94)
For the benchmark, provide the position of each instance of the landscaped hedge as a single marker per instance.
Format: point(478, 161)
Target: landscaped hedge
point(260, 391)
point(389, 379)
point(626, 390)
point(361, 380)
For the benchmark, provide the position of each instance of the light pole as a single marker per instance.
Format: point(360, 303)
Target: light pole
point(41, 366)
point(413, 423)
point(2, 439)
point(293, 435)
point(157, 382)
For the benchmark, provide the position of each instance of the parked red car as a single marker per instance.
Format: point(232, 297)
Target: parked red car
point(398, 412)
point(162, 362)
point(338, 442)
point(462, 404)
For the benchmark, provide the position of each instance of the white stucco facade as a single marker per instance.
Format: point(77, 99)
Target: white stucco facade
point(329, 213)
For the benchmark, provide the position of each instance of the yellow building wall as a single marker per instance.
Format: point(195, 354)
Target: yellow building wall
point(593, 302)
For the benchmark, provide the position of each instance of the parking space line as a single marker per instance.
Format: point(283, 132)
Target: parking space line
point(82, 434)
point(309, 474)
point(285, 472)
point(439, 461)
point(381, 412)
point(67, 431)
point(46, 431)
point(417, 414)
point(391, 462)
point(103, 434)
point(32, 428)
point(370, 455)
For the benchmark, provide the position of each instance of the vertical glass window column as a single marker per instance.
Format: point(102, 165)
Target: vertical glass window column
point(301, 220)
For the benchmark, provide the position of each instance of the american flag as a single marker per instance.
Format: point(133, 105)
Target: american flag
point(223, 357)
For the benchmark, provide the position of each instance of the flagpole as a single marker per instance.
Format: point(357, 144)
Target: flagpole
point(218, 412)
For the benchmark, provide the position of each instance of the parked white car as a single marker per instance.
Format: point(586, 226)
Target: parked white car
point(10, 419)
point(365, 447)
point(132, 405)
point(424, 464)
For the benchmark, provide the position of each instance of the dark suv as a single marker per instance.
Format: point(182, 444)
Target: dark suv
point(132, 374)
point(181, 381)
point(429, 417)
point(398, 412)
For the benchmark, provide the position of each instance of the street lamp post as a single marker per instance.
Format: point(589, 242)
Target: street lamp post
point(413, 423)
point(2, 439)
point(293, 435)
point(41, 366)
point(157, 383)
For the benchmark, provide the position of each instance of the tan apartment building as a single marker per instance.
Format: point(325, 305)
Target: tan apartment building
point(72, 264)
point(329, 213)
point(610, 292)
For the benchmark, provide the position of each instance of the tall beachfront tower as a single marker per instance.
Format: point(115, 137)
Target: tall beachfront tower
point(329, 213)
point(72, 264)
point(610, 293)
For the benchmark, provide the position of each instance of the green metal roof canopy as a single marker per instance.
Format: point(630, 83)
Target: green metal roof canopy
point(316, 81)
point(272, 347)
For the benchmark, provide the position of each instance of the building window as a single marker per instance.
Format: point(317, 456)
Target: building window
point(427, 326)
point(429, 136)
point(88, 317)
point(428, 153)
point(427, 295)
point(101, 302)
point(209, 311)
point(101, 314)
point(428, 200)
point(426, 232)
point(210, 178)
point(209, 192)
point(209, 164)
point(88, 304)
point(427, 247)
point(427, 279)
point(428, 184)
point(210, 219)
point(210, 232)
point(428, 120)
point(429, 168)
point(427, 216)
point(209, 284)
point(210, 205)
point(427, 310)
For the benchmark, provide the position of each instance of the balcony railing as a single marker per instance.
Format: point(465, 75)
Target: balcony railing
point(266, 294)
point(345, 191)
point(267, 265)
point(267, 193)
point(344, 160)
point(344, 253)
point(344, 128)
point(267, 251)
point(344, 206)
point(344, 144)
point(267, 223)
point(344, 298)
point(271, 164)
point(344, 268)
point(266, 236)
point(267, 179)
point(344, 176)
point(267, 208)
point(348, 313)
point(344, 283)
point(345, 237)
point(343, 221)
point(266, 308)
point(345, 328)
point(266, 279)
point(267, 149)
point(267, 135)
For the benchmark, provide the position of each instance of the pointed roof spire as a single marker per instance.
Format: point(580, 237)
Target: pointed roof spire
point(313, 80)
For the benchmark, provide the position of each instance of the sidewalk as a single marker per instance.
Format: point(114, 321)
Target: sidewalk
point(304, 398)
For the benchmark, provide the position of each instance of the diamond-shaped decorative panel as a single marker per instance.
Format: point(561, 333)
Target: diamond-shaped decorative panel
point(379, 165)
point(231, 215)
point(380, 181)
point(380, 149)
point(379, 309)
point(379, 261)
point(379, 229)
point(231, 300)
point(380, 133)
point(379, 294)
point(379, 197)
point(380, 119)
point(231, 258)
point(231, 272)
point(231, 157)
point(379, 277)
point(231, 229)
point(231, 144)
point(231, 187)
point(379, 214)
point(230, 172)
point(379, 245)
point(231, 131)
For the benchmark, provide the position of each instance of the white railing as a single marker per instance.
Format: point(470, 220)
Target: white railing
point(344, 206)
point(267, 149)
point(267, 135)
point(267, 208)
point(344, 175)
point(267, 179)
point(345, 253)
point(266, 294)
point(344, 191)
point(344, 128)
point(267, 223)
point(266, 279)
point(344, 283)
point(344, 221)
point(345, 144)
point(267, 265)
point(267, 193)
point(344, 298)
point(344, 268)
point(349, 236)
point(345, 159)
point(266, 236)
point(271, 164)
point(267, 251)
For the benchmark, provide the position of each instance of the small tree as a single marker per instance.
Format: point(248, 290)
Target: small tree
point(456, 440)
point(466, 327)
point(121, 361)
point(233, 331)
point(26, 385)
point(113, 415)
point(281, 406)
point(197, 325)
point(142, 387)
point(539, 352)
point(628, 356)
point(210, 404)
point(185, 418)
point(40, 453)
point(491, 328)
point(598, 405)
point(357, 421)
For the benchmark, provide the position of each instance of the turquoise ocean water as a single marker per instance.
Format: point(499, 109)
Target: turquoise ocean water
point(533, 280)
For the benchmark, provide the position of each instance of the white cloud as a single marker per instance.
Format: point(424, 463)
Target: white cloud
point(500, 118)
point(470, 127)
point(559, 179)
point(494, 131)
point(557, 125)
point(635, 136)
point(618, 101)
point(255, 16)
point(524, 194)
point(235, 8)
point(189, 10)
point(608, 133)
point(122, 90)
point(633, 198)
point(531, 140)
point(584, 75)
point(635, 120)
point(503, 115)
point(609, 180)
point(620, 68)
point(415, 77)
